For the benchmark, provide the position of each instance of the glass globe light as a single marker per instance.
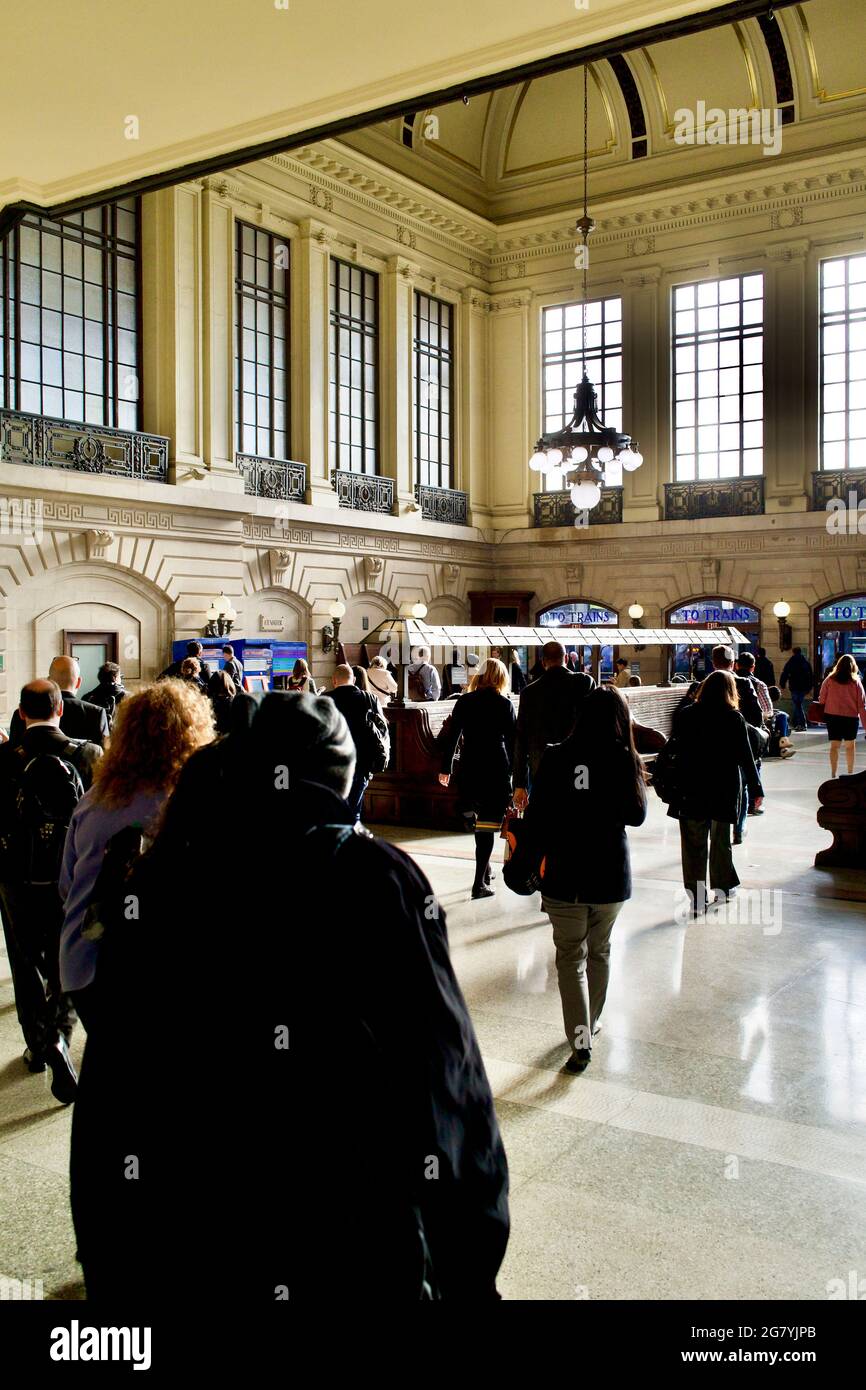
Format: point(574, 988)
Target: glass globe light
point(605, 455)
point(554, 477)
point(586, 494)
point(635, 611)
point(419, 611)
point(213, 612)
point(337, 609)
point(230, 612)
point(538, 462)
point(631, 462)
point(554, 458)
point(579, 454)
point(781, 609)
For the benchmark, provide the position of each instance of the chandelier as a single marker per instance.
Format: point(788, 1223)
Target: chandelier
point(586, 453)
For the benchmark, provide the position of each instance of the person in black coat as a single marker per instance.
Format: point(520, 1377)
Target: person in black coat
point(548, 712)
point(764, 669)
point(586, 791)
point(184, 1153)
point(484, 718)
point(354, 704)
point(715, 770)
point(173, 672)
point(110, 691)
point(798, 675)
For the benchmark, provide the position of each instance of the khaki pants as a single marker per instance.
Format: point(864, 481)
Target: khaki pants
point(581, 935)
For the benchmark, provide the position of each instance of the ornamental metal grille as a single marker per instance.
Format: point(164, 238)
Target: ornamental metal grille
point(563, 360)
point(443, 504)
point(278, 479)
point(727, 497)
point(718, 383)
point(70, 329)
point(363, 493)
point(434, 364)
point(353, 368)
point(843, 362)
point(261, 342)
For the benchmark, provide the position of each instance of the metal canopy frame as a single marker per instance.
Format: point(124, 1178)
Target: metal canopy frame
point(492, 635)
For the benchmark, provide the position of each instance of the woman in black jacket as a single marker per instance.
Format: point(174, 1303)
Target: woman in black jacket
point(486, 719)
point(587, 790)
point(715, 767)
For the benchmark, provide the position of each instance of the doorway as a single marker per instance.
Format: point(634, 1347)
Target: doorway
point(91, 650)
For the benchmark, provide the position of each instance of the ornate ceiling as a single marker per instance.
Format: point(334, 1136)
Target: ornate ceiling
point(518, 151)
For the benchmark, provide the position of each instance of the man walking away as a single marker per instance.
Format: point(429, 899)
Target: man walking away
point(42, 779)
point(110, 690)
point(764, 669)
point(548, 713)
point(79, 719)
point(233, 667)
point(797, 675)
point(424, 682)
point(357, 708)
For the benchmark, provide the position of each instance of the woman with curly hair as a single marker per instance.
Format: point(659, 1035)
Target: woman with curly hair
point(154, 733)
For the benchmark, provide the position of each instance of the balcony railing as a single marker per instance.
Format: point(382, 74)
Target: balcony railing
point(278, 479)
point(838, 484)
point(442, 504)
point(42, 442)
point(557, 509)
point(363, 492)
point(721, 497)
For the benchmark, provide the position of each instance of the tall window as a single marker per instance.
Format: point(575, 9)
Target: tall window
point(563, 360)
point(261, 345)
point(69, 316)
point(718, 350)
point(434, 360)
point(354, 443)
point(843, 362)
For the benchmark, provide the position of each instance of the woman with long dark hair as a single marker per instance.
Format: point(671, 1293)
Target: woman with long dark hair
point(844, 705)
point(485, 717)
point(221, 691)
point(586, 791)
point(716, 767)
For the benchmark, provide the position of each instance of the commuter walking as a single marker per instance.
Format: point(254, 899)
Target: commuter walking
point(716, 768)
point(484, 717)
point(586, 791)
point(154, 733)
point(798, 676)
point(414, 1100)
point(109, 691)
point(300, 682)
point(844, 705)
point(381, 682)
point(360, 709)
point(42, 779)
point(232, 667)
point(548, 712)
point(764, 668)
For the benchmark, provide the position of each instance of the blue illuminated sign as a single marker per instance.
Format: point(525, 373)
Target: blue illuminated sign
point(847, 610)
point(711, 611)
point(581, 613)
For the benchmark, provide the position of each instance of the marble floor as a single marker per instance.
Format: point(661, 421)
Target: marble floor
point(715, 1148)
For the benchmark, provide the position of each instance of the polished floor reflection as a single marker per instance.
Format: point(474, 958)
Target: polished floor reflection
point(715, 1148)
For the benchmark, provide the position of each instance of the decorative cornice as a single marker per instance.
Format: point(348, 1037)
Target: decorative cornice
point(501, 303)
point(476, 299)
point(790, 251)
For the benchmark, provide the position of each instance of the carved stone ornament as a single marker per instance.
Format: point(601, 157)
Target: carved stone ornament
point(280, 561)
point(99, 543)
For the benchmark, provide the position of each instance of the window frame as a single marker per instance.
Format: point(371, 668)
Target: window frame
point(697, 337)
point(252, 291)
point(112, 250)
point(425, 349)
point(598, 357)
point(839, 318)
point(365, 332)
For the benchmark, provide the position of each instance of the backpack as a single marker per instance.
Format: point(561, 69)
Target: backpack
point(417, 693)
point(666, 774)
point(377, 740)
point(45, 791)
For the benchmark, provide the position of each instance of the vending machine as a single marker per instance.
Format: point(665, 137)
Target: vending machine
point(267, 662)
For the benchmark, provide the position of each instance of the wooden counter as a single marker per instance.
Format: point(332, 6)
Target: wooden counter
point(409, 792)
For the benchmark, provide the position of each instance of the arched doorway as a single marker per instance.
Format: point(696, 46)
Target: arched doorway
point(839, 628)
point(692, 662)
point(577, 612)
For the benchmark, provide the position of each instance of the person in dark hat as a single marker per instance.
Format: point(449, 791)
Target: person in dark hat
point(224, 1179)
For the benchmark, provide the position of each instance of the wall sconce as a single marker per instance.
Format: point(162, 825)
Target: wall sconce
point(786, 636)
point(635, 612)
point(419, 612)
point(331, 633)
point(221, 617)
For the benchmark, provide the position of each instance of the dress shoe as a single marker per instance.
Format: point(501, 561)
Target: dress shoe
point(483, 892)
point(578, 1062)
point(33, 1061)
point(64, 1078)
point(737, 839)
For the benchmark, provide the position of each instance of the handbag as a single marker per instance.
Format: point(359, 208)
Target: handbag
point(815, 713)
point(523, 869)
point(666, 773)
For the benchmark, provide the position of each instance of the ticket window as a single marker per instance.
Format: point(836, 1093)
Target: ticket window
point(689, 662)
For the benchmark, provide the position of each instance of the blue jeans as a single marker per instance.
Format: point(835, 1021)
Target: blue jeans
point(355, 794)
point(797, 698)
point(783, 727)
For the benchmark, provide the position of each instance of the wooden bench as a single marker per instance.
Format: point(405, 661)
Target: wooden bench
point(843, 812)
